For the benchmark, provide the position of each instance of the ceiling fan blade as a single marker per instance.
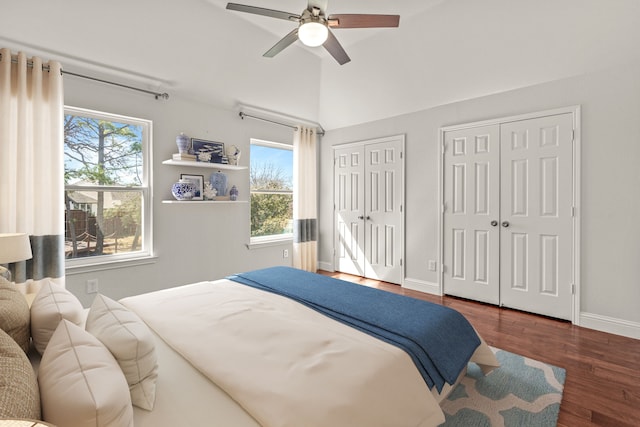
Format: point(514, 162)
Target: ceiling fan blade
point(335, 49)
point(348, 20)
point(282, 44)
point(262, 11)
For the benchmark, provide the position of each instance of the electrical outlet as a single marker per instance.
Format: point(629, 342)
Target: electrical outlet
point(92, 286)
point(432, 265)
point(285, 253)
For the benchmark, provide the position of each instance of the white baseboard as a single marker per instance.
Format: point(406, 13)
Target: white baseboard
point(422, 286)
point(611, 325)
point(327, 266)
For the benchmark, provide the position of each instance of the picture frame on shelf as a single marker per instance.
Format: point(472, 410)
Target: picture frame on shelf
point(208, 151)
point(198, 180)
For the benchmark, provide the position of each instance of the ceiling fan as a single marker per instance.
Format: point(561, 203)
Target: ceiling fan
point(314, 26)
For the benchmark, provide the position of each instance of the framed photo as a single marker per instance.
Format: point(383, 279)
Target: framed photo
point(208, 151)
point(198, 180)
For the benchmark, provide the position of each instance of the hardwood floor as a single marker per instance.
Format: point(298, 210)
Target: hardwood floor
point(602, 387)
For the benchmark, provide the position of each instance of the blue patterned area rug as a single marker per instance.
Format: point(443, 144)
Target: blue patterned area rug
point(522, 392)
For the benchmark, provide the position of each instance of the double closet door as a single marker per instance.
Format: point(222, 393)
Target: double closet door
point(508, 214)
point(368, 199)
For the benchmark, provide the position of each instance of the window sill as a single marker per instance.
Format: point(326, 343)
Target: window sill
point(109, 265)
point(271, 241)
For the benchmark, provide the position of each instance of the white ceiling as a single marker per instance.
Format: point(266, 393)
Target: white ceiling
point(443, 51)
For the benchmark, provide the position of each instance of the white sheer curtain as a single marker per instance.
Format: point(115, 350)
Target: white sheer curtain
point(305, 231)
point(32, 164)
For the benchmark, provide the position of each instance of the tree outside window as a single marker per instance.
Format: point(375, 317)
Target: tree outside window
point(271, 188)
point(106, 197)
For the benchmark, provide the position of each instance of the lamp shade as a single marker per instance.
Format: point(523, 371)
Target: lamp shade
point(14, 247)
point(313, 33)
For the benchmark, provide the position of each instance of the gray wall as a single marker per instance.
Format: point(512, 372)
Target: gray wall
point(207, 242)
point(610, 230)
point(192, 243)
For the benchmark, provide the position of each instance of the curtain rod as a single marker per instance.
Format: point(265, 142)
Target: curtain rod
point(243, 115)
point(157, 95)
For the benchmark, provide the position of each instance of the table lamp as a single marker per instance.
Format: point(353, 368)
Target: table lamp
point(14, 247)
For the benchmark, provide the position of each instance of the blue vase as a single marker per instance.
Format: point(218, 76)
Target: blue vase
point(218, 181)
point(183, 190)
point(182, 141)
point(233, 193)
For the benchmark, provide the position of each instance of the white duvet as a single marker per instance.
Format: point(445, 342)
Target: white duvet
point(288, 365)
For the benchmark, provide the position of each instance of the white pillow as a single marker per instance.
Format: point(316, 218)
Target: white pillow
point(52, 304)
point(130, 341)
point(81, 384)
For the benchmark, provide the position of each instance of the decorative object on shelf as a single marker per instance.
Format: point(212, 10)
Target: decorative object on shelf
point(218, 181)
point(184, 156)
point(233, 193)
point(208, 151)
point(182, 141)
point(183, 190)
point(233, 154)
point(209, 192)
point(198, 181)
point(14, 247)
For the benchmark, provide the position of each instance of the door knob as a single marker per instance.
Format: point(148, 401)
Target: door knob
point(494, 223)
point(360, 217)
point(505, 223)
point(368, 218)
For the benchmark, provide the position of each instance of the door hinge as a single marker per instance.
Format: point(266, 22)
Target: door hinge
point(573, 289)
point(443, 268)
point(444, 208)
point(573, 211)
point(573, 135)
point(400, 261)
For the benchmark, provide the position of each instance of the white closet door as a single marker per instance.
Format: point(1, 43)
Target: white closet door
point(383, 214)
point(471, 213)
point(368, 198)
point(536, 215)
point(349, 210)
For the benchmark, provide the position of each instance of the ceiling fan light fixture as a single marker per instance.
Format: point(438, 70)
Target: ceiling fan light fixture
point(313, 33)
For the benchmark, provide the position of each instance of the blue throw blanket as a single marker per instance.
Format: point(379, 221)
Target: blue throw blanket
point(439, 339)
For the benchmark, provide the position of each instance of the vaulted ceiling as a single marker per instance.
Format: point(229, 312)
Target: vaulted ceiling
point(443, 51)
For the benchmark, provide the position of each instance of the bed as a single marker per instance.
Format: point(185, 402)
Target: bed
point(273, 361)
point(271, 347)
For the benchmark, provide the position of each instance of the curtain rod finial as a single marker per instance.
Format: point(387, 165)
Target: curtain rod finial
point(164, 95)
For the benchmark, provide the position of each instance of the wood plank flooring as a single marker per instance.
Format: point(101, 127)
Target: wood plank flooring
point(602, 387)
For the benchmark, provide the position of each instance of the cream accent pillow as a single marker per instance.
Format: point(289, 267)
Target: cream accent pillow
point(130, 341)
point(19, 395)
point(81, 384)
point(14, 314)
point(52, 304)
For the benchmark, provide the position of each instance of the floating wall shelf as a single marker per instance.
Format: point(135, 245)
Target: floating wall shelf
point(187, 163)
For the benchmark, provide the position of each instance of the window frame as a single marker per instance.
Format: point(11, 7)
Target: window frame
point(273, 238)
point(146, 252)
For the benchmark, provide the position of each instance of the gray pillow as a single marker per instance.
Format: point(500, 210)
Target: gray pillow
point(15, 319)
point(19, 394)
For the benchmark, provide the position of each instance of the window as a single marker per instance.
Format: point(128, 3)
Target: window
point(107, 194)
point(271, 187)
